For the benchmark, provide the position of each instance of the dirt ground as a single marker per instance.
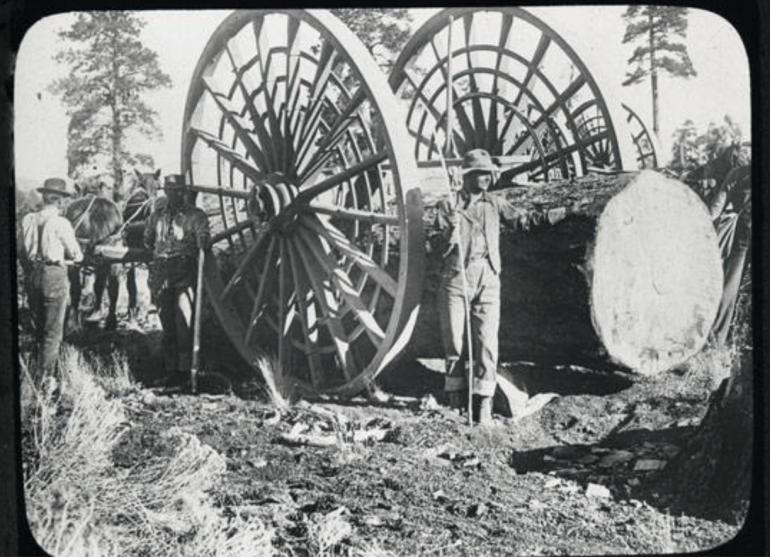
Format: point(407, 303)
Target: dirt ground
point(410, 477)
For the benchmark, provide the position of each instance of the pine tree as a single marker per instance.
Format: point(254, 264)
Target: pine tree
point(656, 28)
point(384, 31)
point(110, 69)
point(685, 152)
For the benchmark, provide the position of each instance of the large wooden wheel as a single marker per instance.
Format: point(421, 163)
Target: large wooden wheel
point(646, 145)
point(503, 80)
point(297, 146)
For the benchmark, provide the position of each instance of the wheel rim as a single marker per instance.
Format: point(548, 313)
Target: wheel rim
point(513, 59)
point(645, 144)
point(319, 240)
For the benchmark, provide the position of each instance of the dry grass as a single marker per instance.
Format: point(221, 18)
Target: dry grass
point(78, 503)
point(327, 532)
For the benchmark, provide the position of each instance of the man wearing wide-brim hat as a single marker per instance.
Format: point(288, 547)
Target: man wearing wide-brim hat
point(47, 247)
point(467, 235)
point(175, 231)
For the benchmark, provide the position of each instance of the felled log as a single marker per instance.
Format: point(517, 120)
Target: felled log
point(632, 279)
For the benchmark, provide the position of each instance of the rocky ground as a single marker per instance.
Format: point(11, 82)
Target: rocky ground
point(409, 477)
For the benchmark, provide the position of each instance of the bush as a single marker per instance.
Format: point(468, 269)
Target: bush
point(79, 503)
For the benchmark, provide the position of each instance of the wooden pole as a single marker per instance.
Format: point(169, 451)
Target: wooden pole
point(197, 323)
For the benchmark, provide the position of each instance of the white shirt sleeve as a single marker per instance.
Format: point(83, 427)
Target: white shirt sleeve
point(67, 236)
point(29, 235)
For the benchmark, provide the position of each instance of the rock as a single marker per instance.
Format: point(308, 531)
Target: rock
point(615, 458)
point(569, 488)
point(374, 521)
point(600, 450)
point(257, 462)
point(634, 482)
point(648, 465)
point(553, 482)
point(596, 490)
point(428, 403)
point(568, 451)
point(477, 510)
point(588, 459)
point(148, 398)
point(439, 496)
point(472, 462)
point(548, 458)
point(670, 451)
point(536, 505)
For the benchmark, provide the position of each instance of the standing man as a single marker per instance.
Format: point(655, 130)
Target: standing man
point(49, 245)
point(175, 231)
point(730, 209)
point(471, 227)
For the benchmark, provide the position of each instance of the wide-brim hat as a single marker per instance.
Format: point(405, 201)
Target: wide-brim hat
point(173, 182)
point(478, 160)
point(55, 185)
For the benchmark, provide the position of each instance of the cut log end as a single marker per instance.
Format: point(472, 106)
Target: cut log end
point(657, 274)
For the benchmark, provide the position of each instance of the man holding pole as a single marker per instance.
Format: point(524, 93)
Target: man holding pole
point(49, 245)
point(468, 234)
point(175, 232)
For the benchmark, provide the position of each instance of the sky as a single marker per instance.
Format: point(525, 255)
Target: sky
point(721, 87)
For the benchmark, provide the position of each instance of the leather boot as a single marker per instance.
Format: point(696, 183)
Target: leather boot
point(485, 411)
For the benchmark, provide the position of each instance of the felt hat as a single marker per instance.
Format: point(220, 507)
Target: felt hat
point(478, 160)
point(173, 181)
point(55, 185)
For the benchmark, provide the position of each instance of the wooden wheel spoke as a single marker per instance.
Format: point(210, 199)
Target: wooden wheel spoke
point(228, 232)
point(300, 119)
point(237, 124)
point(345, 287)
point(329, 308)
point(311, 192)
point(336, 128)
point(306, 316)
point(326, 61)
point(526, 167)
point(258, 298)
point(537, 57)
point(352, 214)
point(479, 123)
point(338, 240)
point(245, 262)
point(233, 157)
point(239, 67)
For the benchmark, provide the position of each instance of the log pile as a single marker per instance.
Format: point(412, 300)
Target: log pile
point(631, 279)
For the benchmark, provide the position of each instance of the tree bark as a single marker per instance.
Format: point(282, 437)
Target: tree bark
point(653, 78)
point(633, 278)
point(712, 476)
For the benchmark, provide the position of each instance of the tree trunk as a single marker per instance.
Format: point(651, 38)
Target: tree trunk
point(712, 476)
point(653, 78)
point(117, 132)
point(633, 278)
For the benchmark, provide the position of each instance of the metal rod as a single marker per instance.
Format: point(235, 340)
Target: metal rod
point(197, 323)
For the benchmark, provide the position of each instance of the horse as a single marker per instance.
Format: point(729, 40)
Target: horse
point(132, 204)
point(140, 201)
point(97, 219)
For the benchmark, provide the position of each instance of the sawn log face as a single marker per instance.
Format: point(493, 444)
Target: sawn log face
point(548, 277)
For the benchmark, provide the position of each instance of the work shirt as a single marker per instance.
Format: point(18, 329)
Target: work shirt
point(479, 226)
point(176, 232)
point(174, 236)
point(48, 237)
